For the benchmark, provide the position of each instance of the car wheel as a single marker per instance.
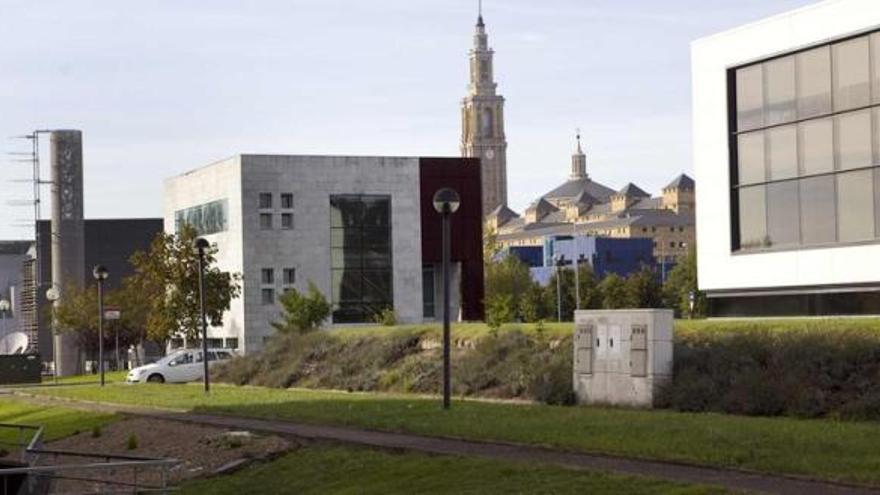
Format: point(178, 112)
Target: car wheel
point(156, 378)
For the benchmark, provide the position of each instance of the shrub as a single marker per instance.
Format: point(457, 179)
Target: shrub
point(499, 310)
point(811, 369)
point(302, 312)
point(96, 431)
point(387, 317)
point(132, 442)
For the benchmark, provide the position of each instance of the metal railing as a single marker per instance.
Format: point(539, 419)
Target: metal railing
point(41, 469)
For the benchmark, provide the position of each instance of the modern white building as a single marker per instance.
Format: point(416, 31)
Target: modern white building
point(786, 136)
point(363, 229)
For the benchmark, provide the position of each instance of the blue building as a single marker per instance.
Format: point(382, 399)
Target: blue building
point(604, 255)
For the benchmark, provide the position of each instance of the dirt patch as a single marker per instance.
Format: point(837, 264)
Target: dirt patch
point(200, 450)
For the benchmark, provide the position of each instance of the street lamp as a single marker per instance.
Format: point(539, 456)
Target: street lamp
point(100, 273)
point(559, 260)
point(446, 202)
point(577, 280)
point(4, 312)
point(692, 298)
point(52, 295)
point(200, 246)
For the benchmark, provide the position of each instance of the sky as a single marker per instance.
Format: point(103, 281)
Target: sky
point(164, 86)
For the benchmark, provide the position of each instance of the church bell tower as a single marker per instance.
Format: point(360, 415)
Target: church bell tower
point(482, 122)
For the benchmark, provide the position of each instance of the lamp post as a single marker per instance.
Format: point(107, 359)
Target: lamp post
point(52, 295)
point(4, 312)
point(446, 202)
point(200, 246)
point(559, 260)
point(692, 298)
point(100, 273)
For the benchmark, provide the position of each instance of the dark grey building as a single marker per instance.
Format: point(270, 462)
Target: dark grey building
point(110, 242)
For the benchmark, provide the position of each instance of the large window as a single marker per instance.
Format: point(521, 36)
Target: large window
point(360, 253)
point(208, 218)
point(807, 147)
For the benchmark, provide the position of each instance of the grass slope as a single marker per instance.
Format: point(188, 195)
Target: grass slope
point(820, 448)
point(351, 470)
point(57, 422)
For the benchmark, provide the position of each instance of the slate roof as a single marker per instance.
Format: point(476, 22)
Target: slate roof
point(15, 247)
point(632, 190)
point(574, 187)
point(681, 182)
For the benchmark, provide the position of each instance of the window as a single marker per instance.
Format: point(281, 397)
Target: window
point(287, 200)
point(267, 297)
point(267, 276)
point(851, 73)
point(265, 221)
point(287, 221)
point(807, 147)
point(207, 219)
point(232, 343)
point(360, 257)
point(289, 276)
point(265, 200)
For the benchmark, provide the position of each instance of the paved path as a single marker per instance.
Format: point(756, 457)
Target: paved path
point(728, 478)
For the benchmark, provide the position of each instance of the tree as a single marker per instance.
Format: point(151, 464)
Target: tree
point(566, 293)
point(500, 310)
point(303, 313)
point(682, 280)
point(643, 290)
point(508, 277)
point(614, 292)
point(77, 312)
point(533, 306)
point(591, 296)
point(166, 277)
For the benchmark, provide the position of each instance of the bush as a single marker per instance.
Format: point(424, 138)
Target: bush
point(815, 369)
point(302, 312)
point(96, 431)
point(387, 317)
point(132, 442)
point(499, 310)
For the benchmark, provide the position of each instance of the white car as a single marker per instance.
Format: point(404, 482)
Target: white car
point(183, 365)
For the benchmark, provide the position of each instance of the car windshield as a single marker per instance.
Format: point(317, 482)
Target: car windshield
point(170, 357)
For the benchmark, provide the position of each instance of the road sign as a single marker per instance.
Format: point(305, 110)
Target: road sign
point(112, 313)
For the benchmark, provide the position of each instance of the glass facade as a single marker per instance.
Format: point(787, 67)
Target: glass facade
point(360, 255)
point(806, 147)
point(208, 218)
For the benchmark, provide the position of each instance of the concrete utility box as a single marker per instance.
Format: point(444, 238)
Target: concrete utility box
point(621, 356)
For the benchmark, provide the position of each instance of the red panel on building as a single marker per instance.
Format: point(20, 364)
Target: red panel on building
point(463, 175)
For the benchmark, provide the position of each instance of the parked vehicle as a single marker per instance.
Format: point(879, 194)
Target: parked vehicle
point(183, 365)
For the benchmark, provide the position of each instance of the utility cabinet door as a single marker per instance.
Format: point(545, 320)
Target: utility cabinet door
point(583, 348)
point(638, 351)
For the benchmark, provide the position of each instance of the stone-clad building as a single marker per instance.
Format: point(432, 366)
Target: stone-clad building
point(362, 229)
point(482, 122)
point(583, 206)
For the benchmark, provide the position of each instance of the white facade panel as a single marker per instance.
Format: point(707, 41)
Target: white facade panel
point(719, 268)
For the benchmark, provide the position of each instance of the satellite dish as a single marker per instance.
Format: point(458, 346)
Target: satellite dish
point(14, 343)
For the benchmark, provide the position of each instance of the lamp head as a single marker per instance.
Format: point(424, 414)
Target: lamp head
point(100, 273)
point(4, 306)
point(446, 200)
point(53, 294)
point(200, 245)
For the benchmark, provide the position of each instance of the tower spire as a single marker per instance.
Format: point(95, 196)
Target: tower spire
point(579, 160)
point(480, 13)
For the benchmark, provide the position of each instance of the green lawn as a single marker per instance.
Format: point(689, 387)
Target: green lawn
point(354, 470)
point(819, 448)
point(58, 422)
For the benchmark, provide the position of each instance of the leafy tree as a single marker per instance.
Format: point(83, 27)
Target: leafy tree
point(566, 294)
point(491, 246)
point(681, 281)
point(591, 296)
point(508, 277)
point(500, 309)
point(303, 313)
point(614, 292)
point(77, 312)
point(643, 289)
point(533, 305)
point(166, 278)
